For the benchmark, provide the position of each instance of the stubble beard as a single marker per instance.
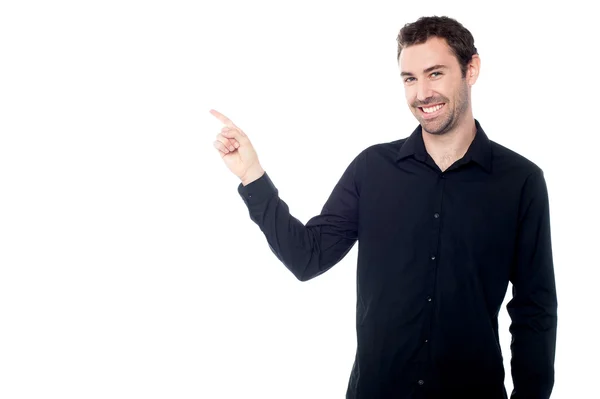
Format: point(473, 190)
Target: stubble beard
point(440, 126)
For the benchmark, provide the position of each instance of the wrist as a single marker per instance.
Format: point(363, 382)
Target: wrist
point(252, 175)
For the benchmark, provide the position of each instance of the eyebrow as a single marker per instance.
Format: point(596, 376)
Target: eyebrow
point(431, 68)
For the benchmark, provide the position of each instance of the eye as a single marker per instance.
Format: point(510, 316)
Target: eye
point(433, 73)
point(407, 80)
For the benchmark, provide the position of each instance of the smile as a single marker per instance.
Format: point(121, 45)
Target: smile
point(430, 112)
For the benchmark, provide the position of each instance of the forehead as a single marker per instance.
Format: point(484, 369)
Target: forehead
point(434, 51)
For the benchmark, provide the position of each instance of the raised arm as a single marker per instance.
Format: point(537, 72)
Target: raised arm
point(306, 250)
point(311, 249)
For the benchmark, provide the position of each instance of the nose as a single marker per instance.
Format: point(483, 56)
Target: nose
point(424, 91)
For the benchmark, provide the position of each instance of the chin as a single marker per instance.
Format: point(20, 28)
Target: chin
point(434, 127)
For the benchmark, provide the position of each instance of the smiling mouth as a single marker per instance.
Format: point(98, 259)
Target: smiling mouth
point(431, 111)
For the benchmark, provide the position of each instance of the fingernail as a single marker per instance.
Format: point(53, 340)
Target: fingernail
point(237, 145)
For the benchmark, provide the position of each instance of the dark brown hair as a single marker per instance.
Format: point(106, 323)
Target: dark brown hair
point(457, 36)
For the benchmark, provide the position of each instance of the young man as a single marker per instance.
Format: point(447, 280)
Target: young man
point(445, 218)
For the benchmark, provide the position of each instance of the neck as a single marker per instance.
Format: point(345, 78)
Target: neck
point(451, 146)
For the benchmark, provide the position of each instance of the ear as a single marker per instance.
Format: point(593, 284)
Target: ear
point(473, 69)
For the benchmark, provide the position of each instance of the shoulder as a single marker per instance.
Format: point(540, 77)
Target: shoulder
point(511, 161)
point(388, 149)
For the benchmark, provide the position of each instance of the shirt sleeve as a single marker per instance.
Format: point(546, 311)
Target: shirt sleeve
point(312, 249)
point(533, 308)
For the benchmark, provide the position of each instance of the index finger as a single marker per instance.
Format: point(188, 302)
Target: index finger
point(223, 118)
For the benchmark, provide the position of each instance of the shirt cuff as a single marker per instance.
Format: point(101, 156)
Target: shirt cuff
point(259, 190)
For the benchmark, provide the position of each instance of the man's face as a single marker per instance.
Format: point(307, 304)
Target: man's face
point(436, 92)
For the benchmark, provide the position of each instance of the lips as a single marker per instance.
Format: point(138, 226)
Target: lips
point(435, 108)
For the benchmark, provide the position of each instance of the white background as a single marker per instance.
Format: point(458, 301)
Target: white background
point(129, 266)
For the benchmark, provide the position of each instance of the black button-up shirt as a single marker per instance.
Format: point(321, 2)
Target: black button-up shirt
point(436, 250)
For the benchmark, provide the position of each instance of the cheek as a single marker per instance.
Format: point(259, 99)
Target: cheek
point(409, 94)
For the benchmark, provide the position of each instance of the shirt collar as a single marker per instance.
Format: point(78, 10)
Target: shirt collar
point(480, 149)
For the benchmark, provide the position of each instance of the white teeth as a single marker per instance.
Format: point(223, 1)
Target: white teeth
point(433, 109)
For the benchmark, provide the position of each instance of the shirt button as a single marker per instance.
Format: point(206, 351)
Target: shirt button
point(426, 340)
point(432, 257)
point(428, 299)
point(421, 382)
point(436, 215)
point(249, 195)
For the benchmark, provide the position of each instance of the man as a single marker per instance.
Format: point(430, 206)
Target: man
point(445, 218)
